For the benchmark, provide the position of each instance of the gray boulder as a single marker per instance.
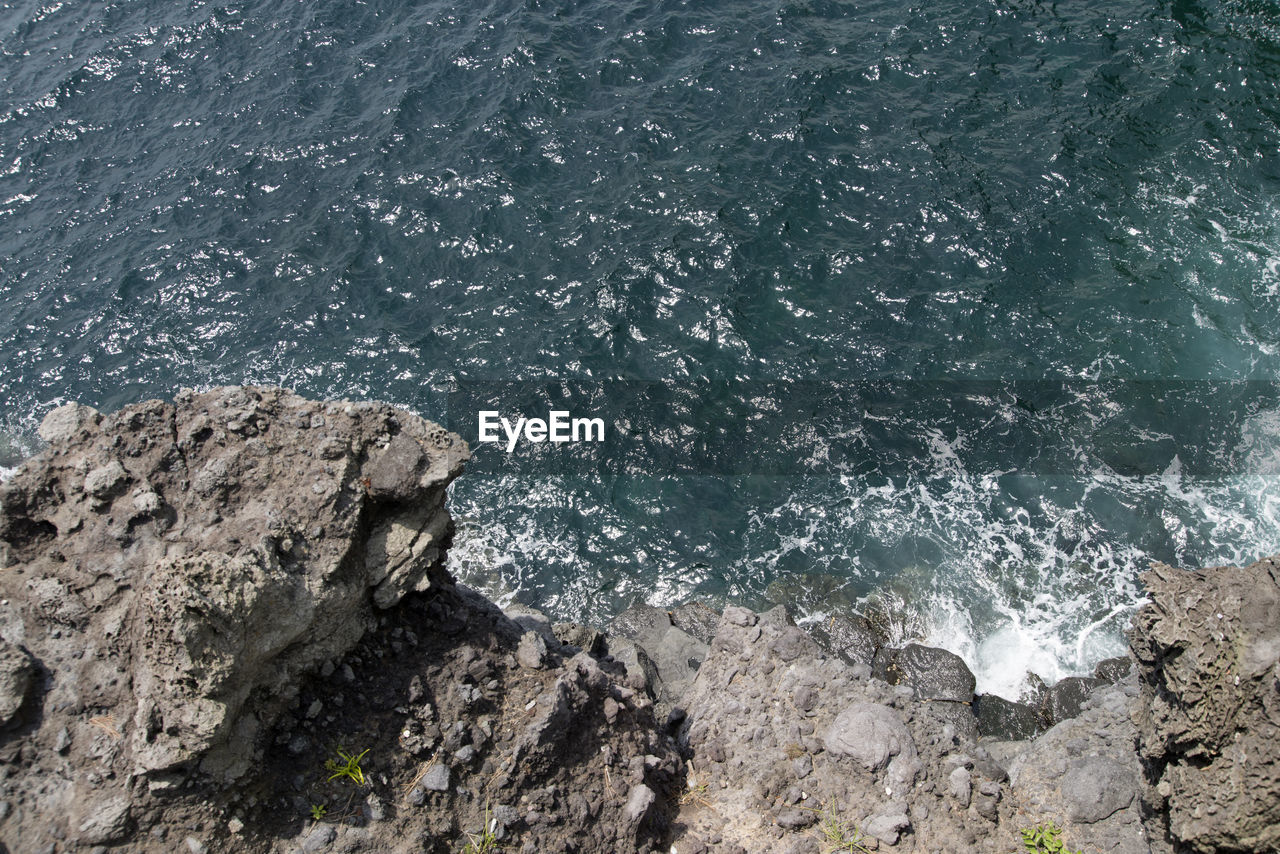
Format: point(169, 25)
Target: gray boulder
point(532, 651)
point(532, 620)
point(67, 423)
point(675, 654)
point(640, 623)
point(639, 667)
point(16, 672)
point(934, 674)
point(1097, 787)
point(640, 798)
point(887, 828)
point(876, 738)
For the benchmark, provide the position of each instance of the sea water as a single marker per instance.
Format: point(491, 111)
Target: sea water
point(958, 312)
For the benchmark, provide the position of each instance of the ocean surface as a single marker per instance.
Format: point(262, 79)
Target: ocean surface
point(959, 313)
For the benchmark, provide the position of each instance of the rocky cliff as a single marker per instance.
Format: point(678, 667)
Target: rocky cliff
point(1209, 715)
point(225, 626)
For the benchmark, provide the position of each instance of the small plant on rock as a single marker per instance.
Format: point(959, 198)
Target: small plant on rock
point(349, 767)
point(484, 842)
point(1045, 839)
point(695, 793)
point(840, 836)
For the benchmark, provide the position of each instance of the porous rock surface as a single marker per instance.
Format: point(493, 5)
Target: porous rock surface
point(1208, 652)
point(170, 560)
point(205, 604)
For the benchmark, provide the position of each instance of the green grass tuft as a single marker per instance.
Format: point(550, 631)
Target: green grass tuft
point(349, 767)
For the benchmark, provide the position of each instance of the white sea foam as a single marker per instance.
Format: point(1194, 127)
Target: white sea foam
point(1015, 572)
point(1035, 574)
point(15, 445)
point(1083, 600)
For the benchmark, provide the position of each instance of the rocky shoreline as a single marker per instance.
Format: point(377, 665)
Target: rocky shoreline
point(225, 625)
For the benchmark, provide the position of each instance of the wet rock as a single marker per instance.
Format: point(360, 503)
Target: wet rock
point(1005, 720)
point(696, 619)
point(1032, 691)
point(1066, 697)
point(1113, 670)
point(959, 717)
point(883, 667)
point(934, 674)
point(853, 638)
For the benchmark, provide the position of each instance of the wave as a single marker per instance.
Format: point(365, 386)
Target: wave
point(1015, 572)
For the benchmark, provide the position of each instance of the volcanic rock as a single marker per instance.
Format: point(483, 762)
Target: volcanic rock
point(1208, 652)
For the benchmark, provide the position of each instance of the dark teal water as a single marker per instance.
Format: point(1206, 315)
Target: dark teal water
point(756, 235)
